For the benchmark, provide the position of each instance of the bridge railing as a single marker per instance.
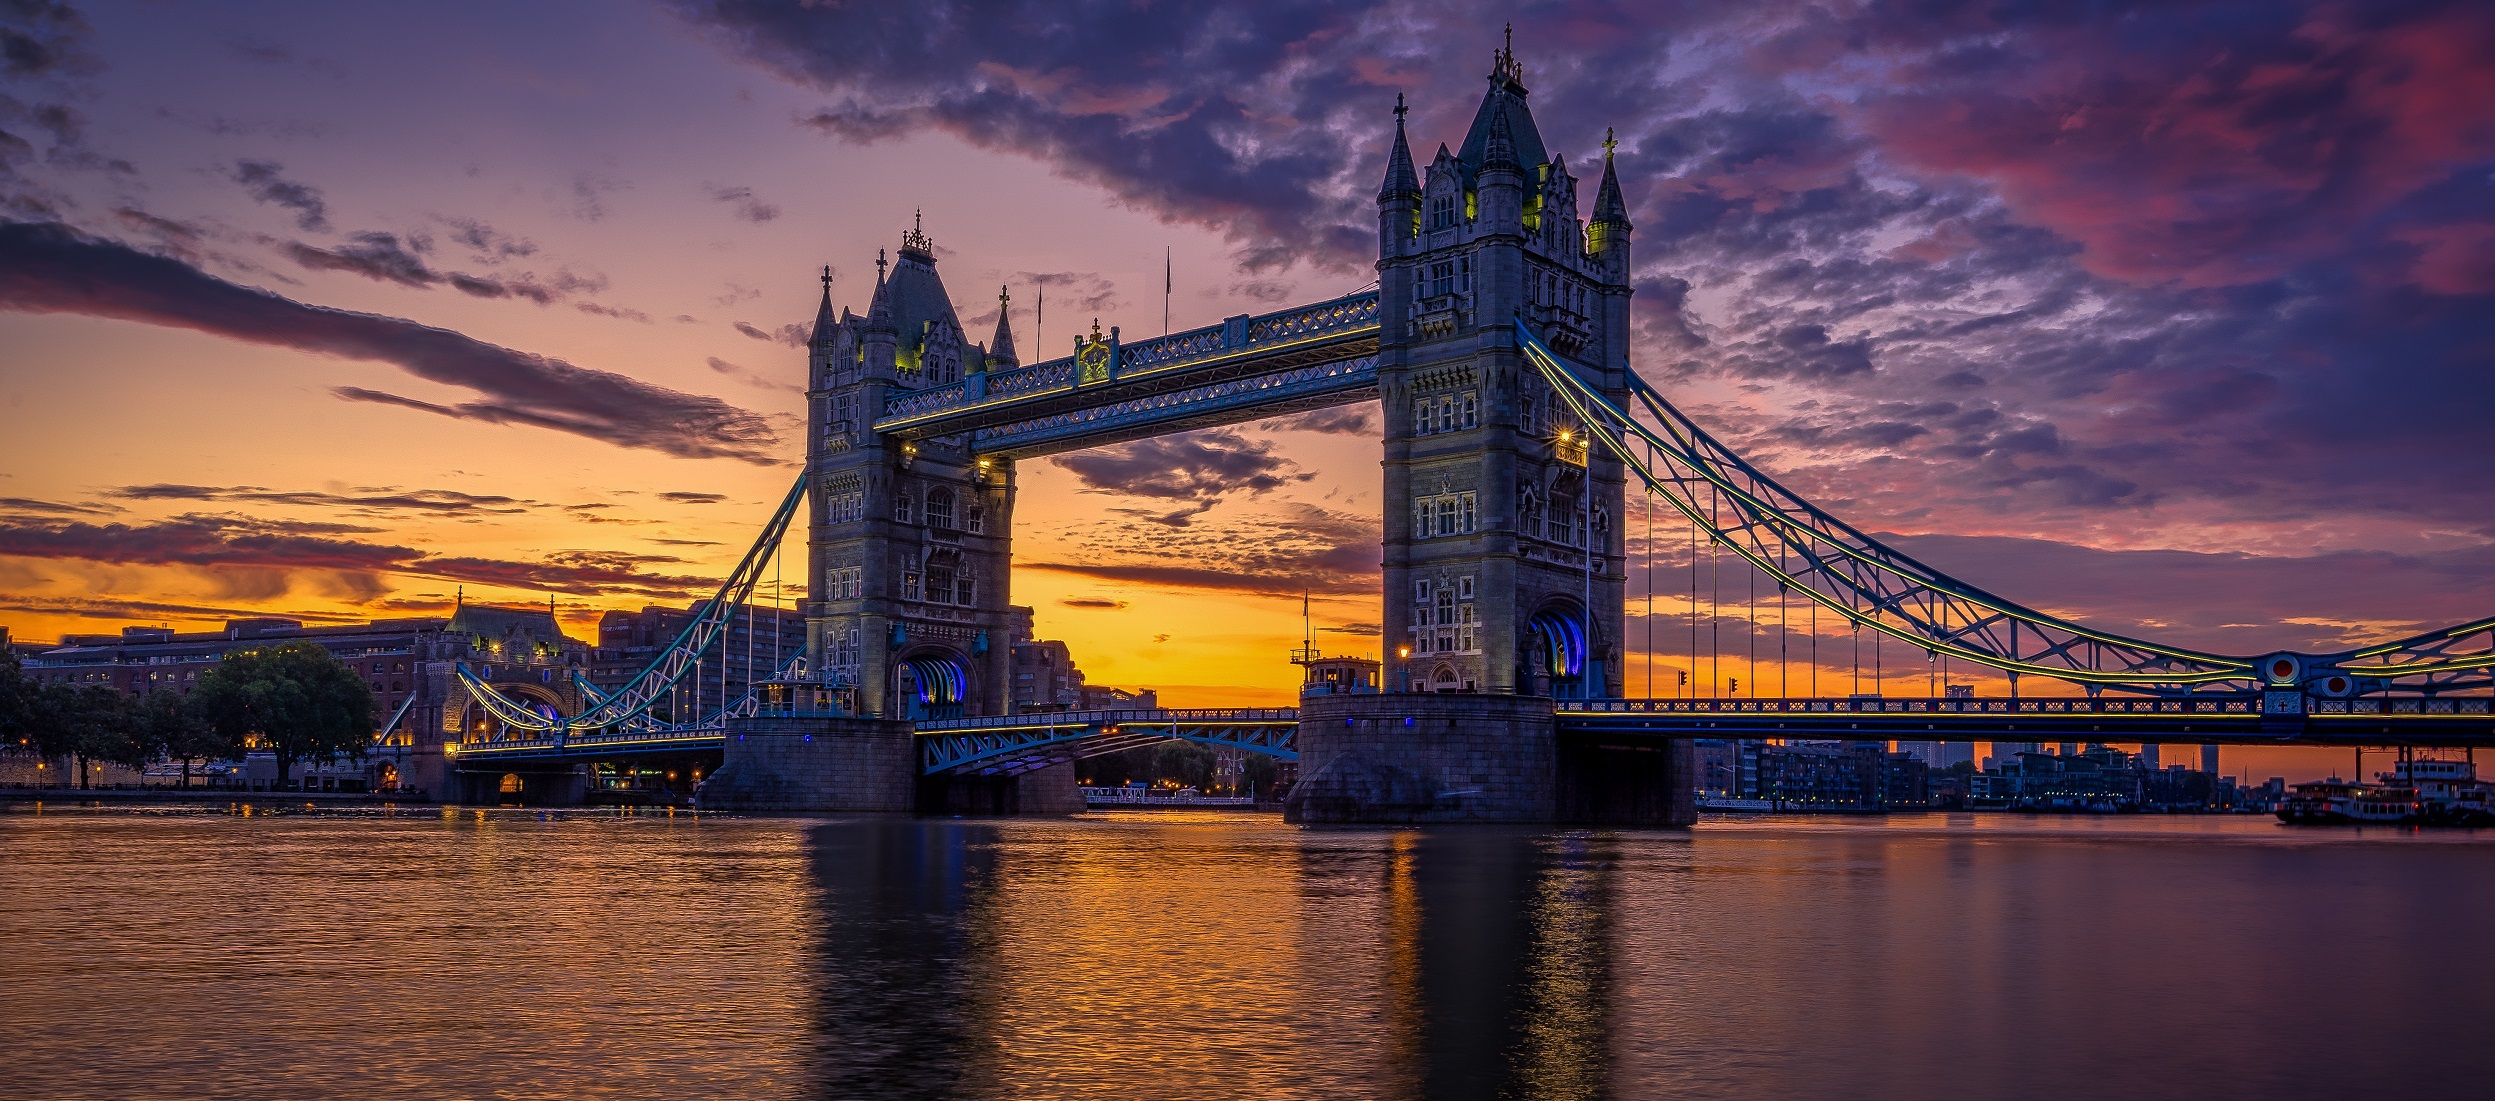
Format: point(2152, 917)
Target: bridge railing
point(2217, 705)
point(1349, 315)
point(1118, 717)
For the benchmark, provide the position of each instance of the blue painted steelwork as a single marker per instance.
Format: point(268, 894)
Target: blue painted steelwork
point(1306, 357)
point(2208, 717)
point(629, 706)
point(1015, 744)
point(1872, 585)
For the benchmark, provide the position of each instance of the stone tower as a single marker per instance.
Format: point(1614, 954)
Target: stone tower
point(909, 542)
point(1503, 542)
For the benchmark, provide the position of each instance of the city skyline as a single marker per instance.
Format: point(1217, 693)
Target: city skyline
point(2135, 371)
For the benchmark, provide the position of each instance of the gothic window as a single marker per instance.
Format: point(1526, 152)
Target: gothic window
point(901, 505)
point(1464, 273)
point(1471, 416)
point(1464, 588)
point(940, 508)
point(965, 591)
point(1446, 414)
point(1441, 278)
point(1464, 512)
point(909, 585)
point(939, 584)
point(1446, 515)
point(1446, 604)
point(1420, 417)
point(1420, 591)
point(1525, 420)
point(1442, 211)
point(1529, 514)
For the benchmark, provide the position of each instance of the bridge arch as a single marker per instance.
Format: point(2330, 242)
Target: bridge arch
point(1559, 649)
point(932, 682)
point(478, 723)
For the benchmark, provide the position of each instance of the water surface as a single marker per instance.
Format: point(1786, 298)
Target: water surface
point(422, 952)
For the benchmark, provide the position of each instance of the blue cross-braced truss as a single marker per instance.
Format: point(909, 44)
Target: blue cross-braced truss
point(1874, 586)
point(627, 708)
point(1248, 367)
point(1011, 745)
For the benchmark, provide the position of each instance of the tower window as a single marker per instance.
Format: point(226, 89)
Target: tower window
point(901, 506)
point(1442, 211)
point(976, 520)
point(940, 508)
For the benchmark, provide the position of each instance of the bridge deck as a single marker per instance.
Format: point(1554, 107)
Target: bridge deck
point(1245, 368)
point(2232, 718)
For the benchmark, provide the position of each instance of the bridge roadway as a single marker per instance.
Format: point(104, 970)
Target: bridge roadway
point(1249, 367)
point(1011, 745)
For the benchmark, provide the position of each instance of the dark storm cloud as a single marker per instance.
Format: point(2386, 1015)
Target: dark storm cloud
point(90, 607)
point(1092, 602)
point(52, 269)
point(742, 200)
point(40, 39)
point(490, 245)
point(1288, 549)
point(1199, 468)
point(375, 256)
point(2228, 602)
point(2172, 251)
point(692, 497)
point(228, 542)
point(265, 183)
point(442, 502)
point(1342, 420)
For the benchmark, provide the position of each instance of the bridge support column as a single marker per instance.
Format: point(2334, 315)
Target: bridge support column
point(797, 764)
point(1047, 791)
point(1475, 757)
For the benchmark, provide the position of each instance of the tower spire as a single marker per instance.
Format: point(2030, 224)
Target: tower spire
point(1401, 179)
point(824, 322)
point(1609, 210)
point(1001, 346)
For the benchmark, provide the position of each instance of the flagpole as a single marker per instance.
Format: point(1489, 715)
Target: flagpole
point(1165, 290)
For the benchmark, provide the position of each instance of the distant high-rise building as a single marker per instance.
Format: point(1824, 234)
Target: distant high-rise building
point(2148, 756)
point(1945, 754)
point(2070, 749)
point(2209, 759)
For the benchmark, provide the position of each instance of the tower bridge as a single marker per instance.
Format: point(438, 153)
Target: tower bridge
point(1497, 343)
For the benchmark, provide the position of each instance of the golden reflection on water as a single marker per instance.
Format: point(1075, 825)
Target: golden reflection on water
point(253, 951)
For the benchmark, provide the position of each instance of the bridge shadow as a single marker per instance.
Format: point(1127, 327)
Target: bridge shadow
point(902, 903)
point(1496, 964)
point(965, 959)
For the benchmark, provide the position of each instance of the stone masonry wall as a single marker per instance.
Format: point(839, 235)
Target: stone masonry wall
point(1412, 757)
point(783, 765)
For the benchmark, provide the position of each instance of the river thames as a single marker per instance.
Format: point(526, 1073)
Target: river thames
point(424, 952)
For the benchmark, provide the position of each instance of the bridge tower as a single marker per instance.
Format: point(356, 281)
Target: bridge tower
point(1503, 538)
point(909, 540)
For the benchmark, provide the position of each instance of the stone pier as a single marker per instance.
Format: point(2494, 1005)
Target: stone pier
point(838, 765)
point(1457, 757)
point(820, 764)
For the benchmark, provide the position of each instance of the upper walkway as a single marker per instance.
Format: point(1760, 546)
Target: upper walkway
point(1246, 368)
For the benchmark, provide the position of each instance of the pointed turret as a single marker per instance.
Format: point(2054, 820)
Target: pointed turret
point(1401, 178)
point(825, 324)
point(1001, 346)
point(1608, 207)
point(879, 308)
point(1499, 180)
point(1607, 236)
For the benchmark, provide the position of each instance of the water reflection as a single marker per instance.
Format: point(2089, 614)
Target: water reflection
point(955, 958)
point(420, 955)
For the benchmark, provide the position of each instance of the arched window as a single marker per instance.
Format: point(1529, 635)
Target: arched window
point(940, 508)
point(901, 505)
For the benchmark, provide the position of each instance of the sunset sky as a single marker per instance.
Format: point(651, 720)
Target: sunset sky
point(2174, 317)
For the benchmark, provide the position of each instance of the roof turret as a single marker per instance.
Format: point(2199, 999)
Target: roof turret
point(1401, 179)
point(1001, 347)
point(825, 324)
point(1608, 207)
